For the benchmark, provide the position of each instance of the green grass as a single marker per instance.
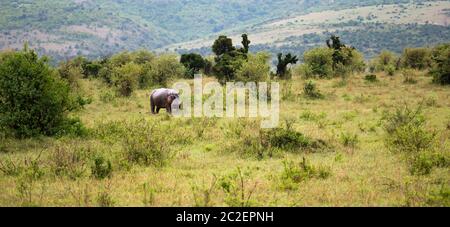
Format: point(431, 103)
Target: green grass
point(199, 170)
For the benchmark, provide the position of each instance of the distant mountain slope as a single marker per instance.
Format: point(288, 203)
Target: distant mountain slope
point(65, 28)
point(369, 28)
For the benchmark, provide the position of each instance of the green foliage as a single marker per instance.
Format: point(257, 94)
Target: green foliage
point(193, 63)
point(125, 78)
point(318, 62)
point(310, 91)
point(386, 61)
point(282, 71)
point(237, 191)
point(406, 131)
point(255, 69)
point(228, 59)
point(441, 64)
point(222, 45)
point(146, 143)
point(371, 78)
point(407, 135)
point(424, 162)
point(164, 68)
point(101, 167)
point(416, 58)
point(295, 173)
point(33, 99)
point(290, 140)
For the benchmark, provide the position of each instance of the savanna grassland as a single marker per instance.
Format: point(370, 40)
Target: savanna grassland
point(343, 160)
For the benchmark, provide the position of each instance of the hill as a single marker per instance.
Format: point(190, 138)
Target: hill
point(65, 28)
point(370, 29)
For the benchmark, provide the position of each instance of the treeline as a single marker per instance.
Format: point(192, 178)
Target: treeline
point(36, 98)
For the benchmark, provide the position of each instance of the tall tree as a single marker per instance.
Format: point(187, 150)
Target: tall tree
point(282, 71)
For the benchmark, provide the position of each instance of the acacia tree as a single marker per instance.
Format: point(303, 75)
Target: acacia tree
point(282, 71)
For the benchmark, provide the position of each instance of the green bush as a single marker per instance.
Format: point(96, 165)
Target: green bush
point(441, 64)
point(238, 192)
point(310, 91)
point(319, 62)
point(33, 99)
point(386, 61)
point(164, 68)
point(416, 58)
point(125, 78)
point(371, 78)
point(101, 167)
point(424, 162)
point(147, 143)
point(295, 173)
point(255, 69)
point(406, 132)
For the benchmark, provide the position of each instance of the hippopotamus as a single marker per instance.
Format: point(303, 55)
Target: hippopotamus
point(164, 98)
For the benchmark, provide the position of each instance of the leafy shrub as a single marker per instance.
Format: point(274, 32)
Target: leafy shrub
point(371, 78)
point(386, 61)
point(101, 167)
point(294, 173)
point(125, 78)
point(146, 143)
point(164, 68)
point(310, 91)
point(290, 140)
point(416, 58)
point(424, 162)
point(441, 64)
point(255, 69)
point(319, 62)
point(236, 188)
point(406, 131)
point(34, 100)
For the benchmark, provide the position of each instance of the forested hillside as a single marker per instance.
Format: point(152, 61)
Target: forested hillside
point(66, 28)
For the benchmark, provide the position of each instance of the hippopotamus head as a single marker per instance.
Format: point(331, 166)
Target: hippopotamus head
point(174, 99)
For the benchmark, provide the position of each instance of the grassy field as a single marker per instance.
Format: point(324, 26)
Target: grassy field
point(205, 165)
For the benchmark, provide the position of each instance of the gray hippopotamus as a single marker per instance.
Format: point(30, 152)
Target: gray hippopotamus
point(164, 98)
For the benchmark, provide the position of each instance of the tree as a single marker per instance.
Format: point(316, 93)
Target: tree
point(193, 63)
point(33, 99)
point(441, 64)
point(282, 71)
point(164, 68)
point(222, 45)
point(245, 43)
point(334, 43)
point(228, 59)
